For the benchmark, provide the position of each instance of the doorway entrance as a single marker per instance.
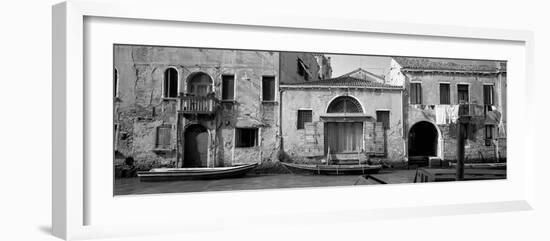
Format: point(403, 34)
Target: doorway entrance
point(196, 146)
point(423, 138)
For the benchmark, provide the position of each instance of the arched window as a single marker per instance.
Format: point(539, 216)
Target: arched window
point(170, 83)
point(344, 104)
point(199, 84)
point(115, 84)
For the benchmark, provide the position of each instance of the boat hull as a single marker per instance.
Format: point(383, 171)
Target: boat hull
point(177, 174)
point(334, 169)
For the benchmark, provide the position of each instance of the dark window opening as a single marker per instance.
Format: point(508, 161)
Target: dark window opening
point(444, 94)
point(384, 117)
point(163, 137)
point(488, 95)
point(416, 93)
point(304, 116)
point(463, 94)
point(228, 87)
point(246, 137)
point(170, 83)
point(268, 88)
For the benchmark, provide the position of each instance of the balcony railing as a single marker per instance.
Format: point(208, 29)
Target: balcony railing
point(198, 104)
point(472, 110)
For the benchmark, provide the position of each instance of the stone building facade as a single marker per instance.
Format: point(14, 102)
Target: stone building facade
point(434, 88)
point(341, 119)
point(192, 107)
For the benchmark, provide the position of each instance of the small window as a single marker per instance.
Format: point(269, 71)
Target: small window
point(163, 137)
point(416, 93)
point(304, 116)
point(488, 98)
point(228, 87)
point(170, 83)
point(268, 88)
point(463, 94)
point(115, 87)
point(246, 137)
point(444, 94)
point(489, 131)
point(384, 117)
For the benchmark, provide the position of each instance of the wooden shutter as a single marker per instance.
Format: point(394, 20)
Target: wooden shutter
point(416, 93)
point(488, 98)
point(163, 136)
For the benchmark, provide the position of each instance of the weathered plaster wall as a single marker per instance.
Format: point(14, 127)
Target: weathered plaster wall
point(141, 108)
point(318, 100)
point(475, 148)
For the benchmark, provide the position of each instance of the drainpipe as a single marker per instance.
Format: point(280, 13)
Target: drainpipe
point(281, 142)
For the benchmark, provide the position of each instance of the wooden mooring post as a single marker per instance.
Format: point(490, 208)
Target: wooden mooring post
point(462, 129)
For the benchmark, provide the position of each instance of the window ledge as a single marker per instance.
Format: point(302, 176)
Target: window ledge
point(169, 98)
point(158, 149)
point(270, 102)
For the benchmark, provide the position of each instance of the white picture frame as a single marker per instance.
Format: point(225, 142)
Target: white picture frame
point(73, 192)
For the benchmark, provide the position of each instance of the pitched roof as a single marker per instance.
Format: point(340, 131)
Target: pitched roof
point(366, 74)
point(346, 81)
point(482, 66)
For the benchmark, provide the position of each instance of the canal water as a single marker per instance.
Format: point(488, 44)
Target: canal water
point(126, 186)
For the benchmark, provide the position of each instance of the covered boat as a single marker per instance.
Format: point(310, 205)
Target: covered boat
point(358, 169)
point(195, 173)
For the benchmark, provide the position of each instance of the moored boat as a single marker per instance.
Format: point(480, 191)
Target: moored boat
point(335, 169)
point(195, 173)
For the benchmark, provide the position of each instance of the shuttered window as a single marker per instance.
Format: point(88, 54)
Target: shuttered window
point(488, 98)
point(384, 117)
point(228, 87)
point(444, 94)
point(163, 137)
point(303, 117)
point(268, 88)
point(416, 93)
point(246, 137)
point(463, 93)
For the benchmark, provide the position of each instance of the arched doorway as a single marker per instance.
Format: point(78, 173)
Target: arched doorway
point(423, 139)
point(196, 144)
point(343, 135)
point(200, 84)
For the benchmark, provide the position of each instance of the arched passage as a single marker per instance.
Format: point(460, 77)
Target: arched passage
point(196, 144)
point(423, 139)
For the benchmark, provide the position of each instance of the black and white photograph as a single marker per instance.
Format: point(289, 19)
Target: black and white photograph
point(190, 119)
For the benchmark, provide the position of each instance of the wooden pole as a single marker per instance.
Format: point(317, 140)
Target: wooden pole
point(460, 149)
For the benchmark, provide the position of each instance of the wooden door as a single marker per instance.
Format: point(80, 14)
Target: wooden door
point(196, 147)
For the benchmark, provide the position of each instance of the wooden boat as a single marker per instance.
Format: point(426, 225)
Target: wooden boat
point(195, 173)
point(496, 165)
point(335, 169)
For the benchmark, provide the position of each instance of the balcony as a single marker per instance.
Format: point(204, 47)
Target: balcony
point(206, 105)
